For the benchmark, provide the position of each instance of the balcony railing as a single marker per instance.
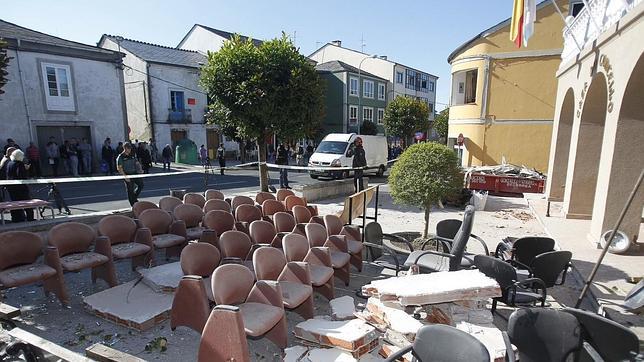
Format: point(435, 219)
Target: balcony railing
point(179, 116)
point(592, 21)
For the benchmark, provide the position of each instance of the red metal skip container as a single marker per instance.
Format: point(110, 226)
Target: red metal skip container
point(508, 184)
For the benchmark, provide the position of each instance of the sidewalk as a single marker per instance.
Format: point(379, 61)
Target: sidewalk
point(609, 286)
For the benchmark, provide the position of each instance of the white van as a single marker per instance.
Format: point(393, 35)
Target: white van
point(332, 152)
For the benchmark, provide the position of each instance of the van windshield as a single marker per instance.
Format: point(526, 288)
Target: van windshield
point(334, 147)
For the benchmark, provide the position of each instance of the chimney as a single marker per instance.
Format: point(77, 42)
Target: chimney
point(337, 43)
point(383, 57)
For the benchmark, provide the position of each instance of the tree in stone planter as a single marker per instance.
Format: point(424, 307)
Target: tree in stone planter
point(404, 116)
point(424, 175)
point(261, 91)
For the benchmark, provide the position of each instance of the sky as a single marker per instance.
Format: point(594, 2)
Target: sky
point(416, 33)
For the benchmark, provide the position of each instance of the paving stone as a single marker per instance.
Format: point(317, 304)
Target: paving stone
point(163, 278)
point(347, 335)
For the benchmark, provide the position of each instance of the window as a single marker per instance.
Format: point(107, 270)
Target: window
point(431, 86)
point(58, 87)
point(381, 91)
point(417, 81)
point(575, 8)
point(353, 114)
point(470, 86)
point(353, 86)
point(399, 77)
point(367, 114)
point(176, 101)
point(431, 107)
point(368, 88)
point(381, 115)
point(464, 84)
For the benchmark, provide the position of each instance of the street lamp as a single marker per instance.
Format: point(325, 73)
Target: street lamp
point(361, 90)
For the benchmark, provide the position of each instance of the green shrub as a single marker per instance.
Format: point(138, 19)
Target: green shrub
point(424, 175)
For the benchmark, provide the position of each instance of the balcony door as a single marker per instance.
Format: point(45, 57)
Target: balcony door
point(177, 101)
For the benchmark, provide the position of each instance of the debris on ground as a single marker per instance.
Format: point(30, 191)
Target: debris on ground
point(158, 344)
point(508, 169)
point(506, 214)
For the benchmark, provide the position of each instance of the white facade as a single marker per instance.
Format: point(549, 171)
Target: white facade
point(383, 68)
point(62, 96)
point(201, 40)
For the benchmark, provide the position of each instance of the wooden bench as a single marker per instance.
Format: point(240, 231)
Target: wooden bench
point(25, 204)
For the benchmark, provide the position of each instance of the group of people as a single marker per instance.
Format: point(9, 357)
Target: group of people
point(205, 158)
point(14, 166)
point(146, 153)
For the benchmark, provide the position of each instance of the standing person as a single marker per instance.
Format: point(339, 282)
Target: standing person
point(203, 156)
point(154, 151)
point(3, 169)
point(33, 155)
point(72, 154)
point(53, 155)
point(282, 159)
point(85, 154)
point(299, 156)
point(221, 157)
point(309, 152)
point(107, 156)
point(17, 170)
point(65, 157)
point(359, 162)
point(145, 159)
point(127, 164)
point(167, 156)
point(119, 148)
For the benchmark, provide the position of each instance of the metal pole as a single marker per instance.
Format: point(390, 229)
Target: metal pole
point(548, 210)
point(610, 239)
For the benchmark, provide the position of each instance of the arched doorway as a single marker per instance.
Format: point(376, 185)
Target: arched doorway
point(580, 193)
point(559, 167)
point(627, 160)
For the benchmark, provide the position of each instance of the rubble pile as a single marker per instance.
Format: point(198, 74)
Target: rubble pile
point(508, 169)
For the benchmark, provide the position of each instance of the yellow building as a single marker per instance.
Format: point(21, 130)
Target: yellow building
point(502, 97)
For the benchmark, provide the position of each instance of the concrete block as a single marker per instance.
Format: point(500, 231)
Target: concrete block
point(137, 307)
point(393, 318)
point(163, 278)
point(342, 308)
point(353, 336)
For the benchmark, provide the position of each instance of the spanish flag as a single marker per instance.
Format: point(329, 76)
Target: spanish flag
point(516, 25)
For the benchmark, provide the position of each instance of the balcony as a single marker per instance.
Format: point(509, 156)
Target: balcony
point(179, 116)
point(592, 21)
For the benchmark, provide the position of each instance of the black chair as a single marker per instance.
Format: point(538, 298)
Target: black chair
point(513, 291)
point(549, 266)
point(439, 342)
point(543, 334)
point(381, 254)
point(430, 261)
point(610, 340)
point(524, 250)
point(446, 230)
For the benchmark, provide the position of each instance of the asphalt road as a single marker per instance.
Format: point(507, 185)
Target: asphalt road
point(94, 196)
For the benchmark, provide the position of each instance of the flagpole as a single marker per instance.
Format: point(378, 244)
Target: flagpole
point(554, 2)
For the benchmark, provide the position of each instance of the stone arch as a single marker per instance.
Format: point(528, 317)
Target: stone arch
point(580, 189)
point(627, 160)
point(559, 167)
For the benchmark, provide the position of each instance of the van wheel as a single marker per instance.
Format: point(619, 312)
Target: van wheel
point(315, 177)
point(381, 171)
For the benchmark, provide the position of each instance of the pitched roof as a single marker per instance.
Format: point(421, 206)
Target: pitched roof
point(160, 54)
point(30, 39)
point(225, 34)
point(488, 32)
point(339, 66)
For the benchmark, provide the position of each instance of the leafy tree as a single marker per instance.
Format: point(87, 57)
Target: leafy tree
point(441, 123)
point(4, 64)
point(261, 91)
point(368, 128)
point(425, 173)
point(404, 116)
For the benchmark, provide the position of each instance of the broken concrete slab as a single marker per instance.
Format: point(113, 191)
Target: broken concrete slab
point(387, 350)
point(129, 305)
point(354, 335)
point(163, 278)
point(342, 308)
point(489, 335)
point(440, 287)
point(452, 313)
point(295, 353)
point(328, 354)
point(396, 319)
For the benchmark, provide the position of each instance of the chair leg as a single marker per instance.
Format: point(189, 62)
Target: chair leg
point(343, 273)
point(356, 260)
point(141, 260)
point(279, 333)
point(190, 306)
point(306, 309)
point(56, 285)
point(173, 251)
point(106, 272)
point(327, 290)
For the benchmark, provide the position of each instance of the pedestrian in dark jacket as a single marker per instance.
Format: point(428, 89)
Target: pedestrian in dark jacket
point(144, 156)
point(359, 162)
point(282, 159)
point(17, 170)
point(33, 155)
point(167, 156)
point(107, 155)
point(221, 157)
